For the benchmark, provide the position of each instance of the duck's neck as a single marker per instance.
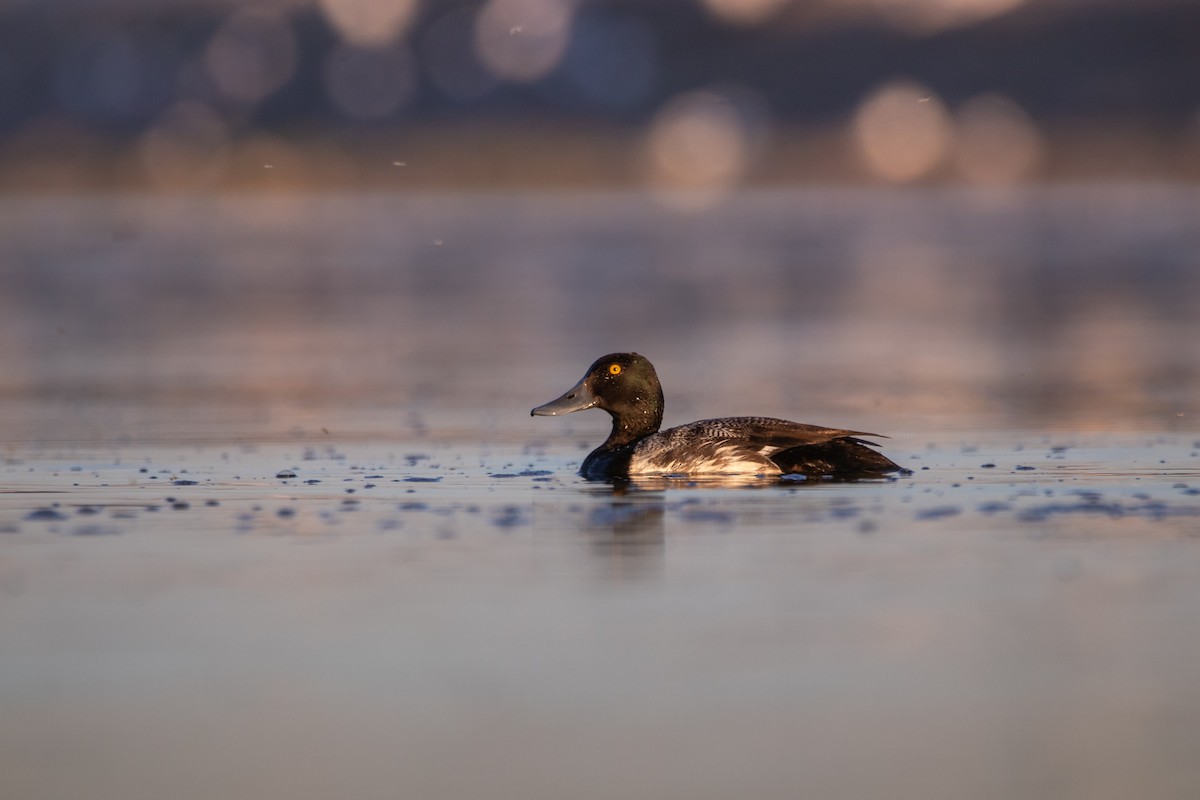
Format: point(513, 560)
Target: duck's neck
point(636, 421)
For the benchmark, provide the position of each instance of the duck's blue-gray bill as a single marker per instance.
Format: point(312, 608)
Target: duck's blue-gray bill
point(577, 398)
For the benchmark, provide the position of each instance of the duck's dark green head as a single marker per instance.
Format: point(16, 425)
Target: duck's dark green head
point(623, 384)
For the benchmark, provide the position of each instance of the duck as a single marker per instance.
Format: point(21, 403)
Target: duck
point(627, 387)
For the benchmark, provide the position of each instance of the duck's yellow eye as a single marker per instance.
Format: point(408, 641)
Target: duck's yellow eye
point(614, 369)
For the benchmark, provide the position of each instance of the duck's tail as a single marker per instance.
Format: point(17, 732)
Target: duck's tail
point(846, 458)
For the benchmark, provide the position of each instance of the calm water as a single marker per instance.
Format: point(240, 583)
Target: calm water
point(434, 605)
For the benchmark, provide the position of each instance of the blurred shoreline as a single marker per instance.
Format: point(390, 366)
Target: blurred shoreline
point(527, 155)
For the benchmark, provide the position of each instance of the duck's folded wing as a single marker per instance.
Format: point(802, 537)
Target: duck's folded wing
point(740, 443)
point(767, 434)
point(812, 450)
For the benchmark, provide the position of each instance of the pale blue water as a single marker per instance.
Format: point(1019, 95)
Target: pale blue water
point(436, 606)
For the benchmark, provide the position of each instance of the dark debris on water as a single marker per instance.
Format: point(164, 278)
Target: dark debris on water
point(45, 515)
point(95, 530)
point(1149, 509)
point(938, 512)
point(510, 517)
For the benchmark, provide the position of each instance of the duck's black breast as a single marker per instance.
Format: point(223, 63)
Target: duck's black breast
point(608, 462)
point(742, 445)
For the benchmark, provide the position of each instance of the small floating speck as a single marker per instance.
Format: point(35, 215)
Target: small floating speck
point(415, 479)
point(87, 510)
point(313, 481)
point(988, 465)
point(499, 475)
point(285, 473)
point(181, 505)
point(1023, 468)
point(414, 506)
point(184, 483)
point(286, 512)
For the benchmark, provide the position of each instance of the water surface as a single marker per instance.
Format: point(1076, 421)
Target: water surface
point(274, 519)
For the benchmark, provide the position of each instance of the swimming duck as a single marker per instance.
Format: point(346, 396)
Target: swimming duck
point(626, 386)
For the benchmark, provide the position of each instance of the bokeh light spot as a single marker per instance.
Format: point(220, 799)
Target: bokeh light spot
point(744, 12)
point(930, 16)
point(369, 84)
point(522, 40)
point(699, 146)
point(997, 142)
point(251, 55)
point(370, 23)
point(902, 131)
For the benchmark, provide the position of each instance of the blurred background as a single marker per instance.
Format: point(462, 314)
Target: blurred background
point(676, 93)
point(938, 207)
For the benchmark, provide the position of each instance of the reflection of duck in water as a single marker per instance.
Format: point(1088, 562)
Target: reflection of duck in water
point(626, 386)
